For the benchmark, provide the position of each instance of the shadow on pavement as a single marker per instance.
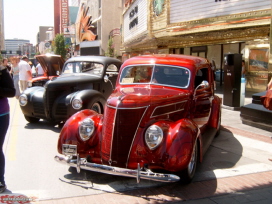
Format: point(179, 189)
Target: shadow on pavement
point(43, 124)
point(223, 154)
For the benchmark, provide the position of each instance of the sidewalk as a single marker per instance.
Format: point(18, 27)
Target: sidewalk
point(249, 188)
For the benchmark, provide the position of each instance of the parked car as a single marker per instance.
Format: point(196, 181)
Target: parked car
point(52, 66)
point(85, 82)
point(158, 122)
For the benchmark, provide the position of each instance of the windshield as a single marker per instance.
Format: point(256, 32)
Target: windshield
point(83, 67)
point(158, 74)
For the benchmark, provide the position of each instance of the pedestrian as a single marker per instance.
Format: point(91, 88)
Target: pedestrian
point(6, 64)
point(15, 71)
point(243, 69)
point(25, 73)
point(6, 90)
point(39, 70)
point(269, 87)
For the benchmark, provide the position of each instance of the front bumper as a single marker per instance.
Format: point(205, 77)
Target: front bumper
point(81, 163)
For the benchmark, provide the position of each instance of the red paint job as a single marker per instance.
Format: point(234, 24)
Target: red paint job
point(69, 135)
point(182, 116)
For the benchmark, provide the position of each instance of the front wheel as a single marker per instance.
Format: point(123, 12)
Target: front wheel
point(187, 174)
point(32, 119)
point(95, 106)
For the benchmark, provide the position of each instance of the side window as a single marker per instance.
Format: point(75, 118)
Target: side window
point(68, 68)
point(201, 75)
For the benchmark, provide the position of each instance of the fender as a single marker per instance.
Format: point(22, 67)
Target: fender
point(180, 141)
point(70, 134)
point(34, 95)
point(87, 96)
point(175, 151)
point(215, 110)
point(66, 100)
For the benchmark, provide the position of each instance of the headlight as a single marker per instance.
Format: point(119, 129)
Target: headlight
point(23, 100)
point(153, 136)
point(86, 129)
point(77, 104)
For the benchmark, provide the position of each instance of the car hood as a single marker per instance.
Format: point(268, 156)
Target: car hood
point(145, 96)
point(71, 79)
point(50, 63)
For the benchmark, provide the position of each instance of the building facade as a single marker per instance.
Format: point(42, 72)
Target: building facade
point(208, 30)
point(2, 31)
point(103, 37)
point(43, 33)
point(19, 47)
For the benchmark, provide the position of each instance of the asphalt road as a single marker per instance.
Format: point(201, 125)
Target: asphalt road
point(32, 171)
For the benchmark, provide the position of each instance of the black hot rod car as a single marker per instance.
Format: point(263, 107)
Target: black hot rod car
point(85, 83)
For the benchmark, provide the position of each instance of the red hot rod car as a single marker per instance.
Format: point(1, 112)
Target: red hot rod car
point(158, 122)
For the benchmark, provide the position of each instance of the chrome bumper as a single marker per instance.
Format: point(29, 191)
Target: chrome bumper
point(81, 163)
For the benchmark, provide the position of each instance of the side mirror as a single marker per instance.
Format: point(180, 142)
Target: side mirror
point(204, 84)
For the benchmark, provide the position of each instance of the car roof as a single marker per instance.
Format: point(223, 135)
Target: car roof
point(99, 59)
point(191, 62)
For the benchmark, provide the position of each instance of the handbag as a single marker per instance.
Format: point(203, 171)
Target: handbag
point(267, 99)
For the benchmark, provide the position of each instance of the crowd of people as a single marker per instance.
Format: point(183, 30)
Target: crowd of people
point(21, 72)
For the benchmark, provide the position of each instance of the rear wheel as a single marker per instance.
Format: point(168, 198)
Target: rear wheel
point(187, 174)
point(32, 119)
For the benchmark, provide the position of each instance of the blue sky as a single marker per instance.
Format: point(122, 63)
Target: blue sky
point(22, 18)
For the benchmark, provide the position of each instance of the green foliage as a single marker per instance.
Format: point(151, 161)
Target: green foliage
point(1, 57)
point(110, 50)
point(60, 45)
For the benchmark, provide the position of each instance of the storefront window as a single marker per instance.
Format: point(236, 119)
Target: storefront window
point(257, 67)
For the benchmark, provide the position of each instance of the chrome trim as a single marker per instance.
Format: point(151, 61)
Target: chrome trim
point(126, 107)
point(146, 107)
point(112, 132)
point(152, 116)
point(119, 102)
point(82, 163)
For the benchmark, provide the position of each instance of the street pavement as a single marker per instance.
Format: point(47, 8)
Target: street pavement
point(235, 169)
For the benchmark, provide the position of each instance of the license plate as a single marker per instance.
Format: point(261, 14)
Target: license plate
point(68, 149)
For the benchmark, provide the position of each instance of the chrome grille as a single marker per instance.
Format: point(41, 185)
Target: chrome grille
point(125, 127)
point(107, 132)
point(61, 109)
point(38, 108)
point(50, 97)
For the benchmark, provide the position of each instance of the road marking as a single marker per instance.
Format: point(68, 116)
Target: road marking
point(13, 133)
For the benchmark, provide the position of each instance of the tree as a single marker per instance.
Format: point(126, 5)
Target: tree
point(110, 50)
point(60, 45)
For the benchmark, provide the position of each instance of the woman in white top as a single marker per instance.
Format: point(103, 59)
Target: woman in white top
point(15, 71)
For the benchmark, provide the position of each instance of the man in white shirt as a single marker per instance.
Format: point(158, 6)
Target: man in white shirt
point(24, 73)
point(39, 70)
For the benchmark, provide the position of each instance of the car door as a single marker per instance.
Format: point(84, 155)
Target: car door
point(203, 97)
